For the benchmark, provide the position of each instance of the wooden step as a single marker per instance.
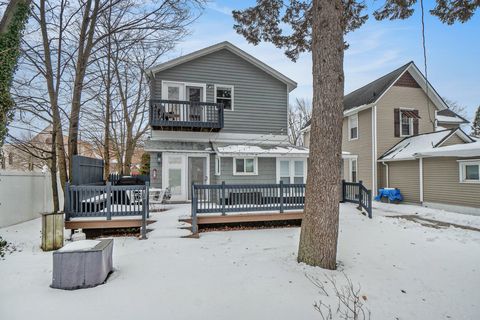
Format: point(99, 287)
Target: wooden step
point(246, 217)
point(105, 224)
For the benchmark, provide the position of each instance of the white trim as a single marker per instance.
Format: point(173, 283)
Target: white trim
point(255, 166)
point(227, 137)
point(374, 149)
point(292, 168)
point(461, 170)
point(183, 95)
point(350, 167)
point(349, 112)
point(421, 178)
point(231, 87)
point(410, 120)
point(218, 165)
point(230, 47)
point(355, 115)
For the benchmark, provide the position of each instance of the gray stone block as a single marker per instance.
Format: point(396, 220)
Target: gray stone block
point(82, 268)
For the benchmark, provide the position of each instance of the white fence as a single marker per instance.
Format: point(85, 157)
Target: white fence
point(24, 195)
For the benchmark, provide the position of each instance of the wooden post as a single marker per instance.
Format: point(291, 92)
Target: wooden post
point(144, 215)
point(109, 200)
point(360, 195)
point(223, 198)
point(281, 196)
point(194, 211)
point(66, 204)
point(342, 195)
point(369, 192)
point(147, 196)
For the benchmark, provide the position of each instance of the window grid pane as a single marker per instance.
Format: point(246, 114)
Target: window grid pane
point(249, 165)
point(239, 165)
point(472, 172)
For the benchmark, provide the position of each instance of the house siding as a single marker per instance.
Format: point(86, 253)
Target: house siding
point(260, 100)
point(361, 147)
point(441, 184)
point(404, 175)
point(266, 172)
point(401, 97)
point(452, 140)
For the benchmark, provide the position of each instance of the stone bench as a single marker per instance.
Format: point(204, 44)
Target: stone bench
point(82, 264)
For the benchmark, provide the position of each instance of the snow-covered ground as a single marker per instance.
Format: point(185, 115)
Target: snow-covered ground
point(406, 271)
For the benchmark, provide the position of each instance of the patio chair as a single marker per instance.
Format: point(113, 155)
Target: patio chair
point(156, 197)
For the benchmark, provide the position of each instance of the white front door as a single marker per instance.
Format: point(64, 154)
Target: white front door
point(173, 176)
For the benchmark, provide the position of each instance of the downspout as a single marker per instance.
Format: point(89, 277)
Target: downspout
point(387, 177)
point(421, 179)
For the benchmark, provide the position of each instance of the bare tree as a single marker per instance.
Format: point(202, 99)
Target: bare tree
point(299, 114)
point(319, 26)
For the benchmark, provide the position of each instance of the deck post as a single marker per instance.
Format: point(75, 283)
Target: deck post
point(344, 186)
point(144, 214)
point(369, 193)
point(109, 200)
point(66, 204)
point(360, 194)
point(223, 198)
point(147, 195)
point(281, 196)
point(194, 211)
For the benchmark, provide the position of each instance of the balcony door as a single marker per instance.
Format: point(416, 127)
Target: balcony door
point(184, 91)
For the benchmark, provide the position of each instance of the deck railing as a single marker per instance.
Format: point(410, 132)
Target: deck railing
point(88, 201)
point(357, 193)
point(226, 198)
point(186, 114)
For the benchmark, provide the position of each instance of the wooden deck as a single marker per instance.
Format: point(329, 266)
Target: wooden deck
point(245, 218)
point(105, 224)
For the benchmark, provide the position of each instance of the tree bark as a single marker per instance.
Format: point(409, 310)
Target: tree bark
point(319, 232)
point(53, 172)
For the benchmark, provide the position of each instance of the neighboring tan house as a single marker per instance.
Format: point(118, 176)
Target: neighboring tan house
point(220, 115)
point(30, 154)
point(399, 138)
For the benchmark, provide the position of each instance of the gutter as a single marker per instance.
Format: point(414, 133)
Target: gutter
point(387, 176)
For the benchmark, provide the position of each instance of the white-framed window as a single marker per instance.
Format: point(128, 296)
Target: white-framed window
point(353, 127)
point(224, 94)
point(291, 170)
point(217, 165)
point(245, 166)
point(353, 170)
point(469, 171)
point(406, 125)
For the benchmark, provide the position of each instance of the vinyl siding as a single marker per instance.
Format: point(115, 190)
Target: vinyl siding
point(401, 97)
point(404, 175)
point(266, 172)
point(441, 184)
point(361, 147)
point(454, 139)
point(260, 100)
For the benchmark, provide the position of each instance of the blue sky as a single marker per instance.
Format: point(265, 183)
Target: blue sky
point(453, 52)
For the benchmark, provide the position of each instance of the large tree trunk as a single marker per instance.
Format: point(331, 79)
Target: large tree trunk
point(53, 172)
point(319, 233)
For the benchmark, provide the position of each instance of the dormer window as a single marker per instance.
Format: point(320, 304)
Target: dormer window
point(353, 127)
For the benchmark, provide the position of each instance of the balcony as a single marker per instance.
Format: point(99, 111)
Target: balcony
point(186, 115)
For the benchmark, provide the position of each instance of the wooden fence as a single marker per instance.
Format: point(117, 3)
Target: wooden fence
point(223, 198)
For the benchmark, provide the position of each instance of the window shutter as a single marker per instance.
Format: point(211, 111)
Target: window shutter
point(396, 122)
point(415, 123)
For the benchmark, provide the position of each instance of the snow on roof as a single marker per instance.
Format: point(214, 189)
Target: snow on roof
point(405, 149)
point(448, 119)
point(261, 150)
point(457, 150)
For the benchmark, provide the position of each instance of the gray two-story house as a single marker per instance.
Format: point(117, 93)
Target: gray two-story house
point(220, 115)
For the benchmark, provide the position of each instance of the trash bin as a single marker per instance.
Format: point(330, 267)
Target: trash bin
point(52, 231)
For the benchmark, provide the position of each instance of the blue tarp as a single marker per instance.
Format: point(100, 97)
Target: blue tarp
point(391, 194)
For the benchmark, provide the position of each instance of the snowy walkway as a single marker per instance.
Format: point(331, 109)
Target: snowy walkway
point(253, 274)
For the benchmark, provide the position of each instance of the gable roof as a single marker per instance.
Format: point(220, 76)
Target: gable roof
point(408, 148)
point(371, 92)
point(449, 116)
point(235, 50)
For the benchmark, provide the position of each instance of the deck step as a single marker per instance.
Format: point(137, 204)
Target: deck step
point(105, 224)
point(246, 217)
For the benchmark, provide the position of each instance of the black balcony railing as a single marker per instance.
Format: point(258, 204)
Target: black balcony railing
point(171, 114)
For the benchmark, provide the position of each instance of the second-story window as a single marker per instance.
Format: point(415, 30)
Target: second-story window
point(224, 95)
point(406, 124)
point(353, 127)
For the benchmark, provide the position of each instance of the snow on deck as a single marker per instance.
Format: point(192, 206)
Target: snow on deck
point(406, 271)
